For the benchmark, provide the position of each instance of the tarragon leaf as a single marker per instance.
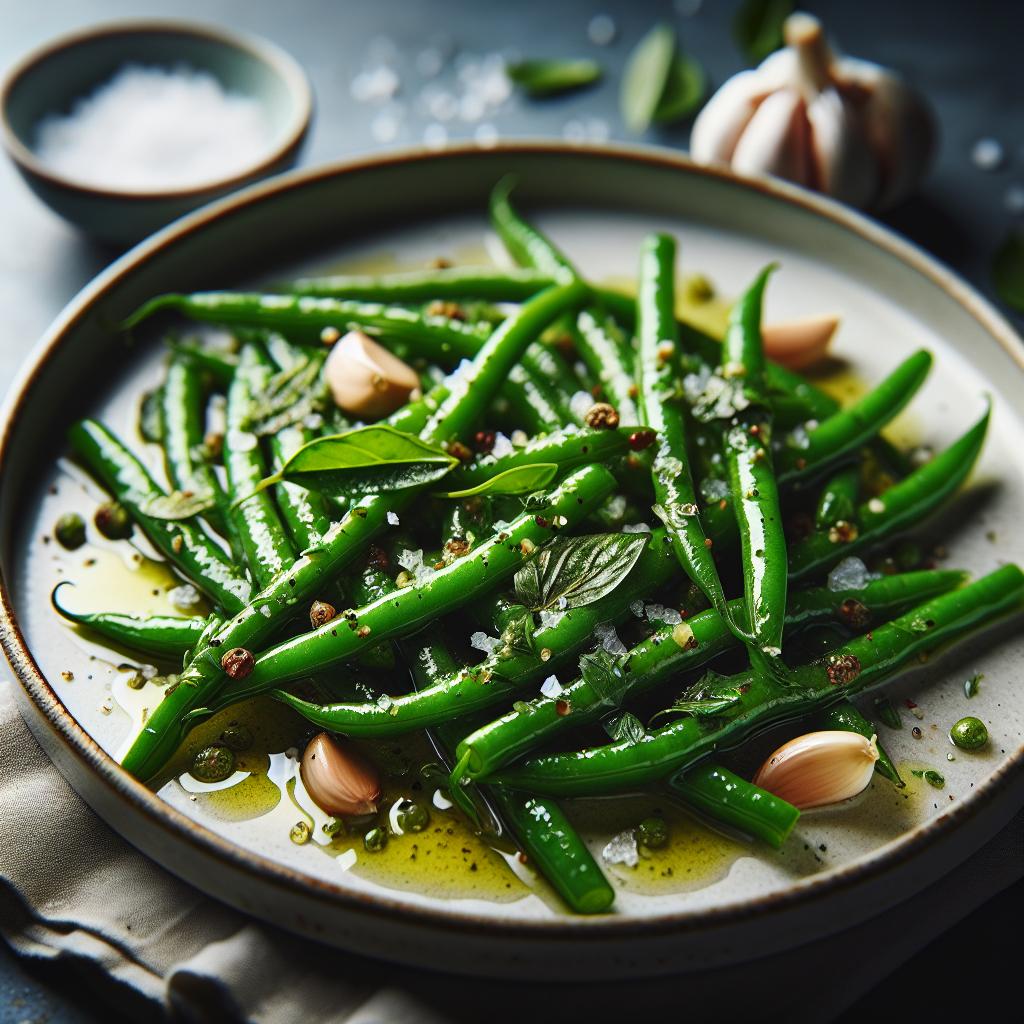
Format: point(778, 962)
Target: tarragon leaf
point(517, 480)
point(624, 727)
point(367, 460)
point(572, 572)
point(177, 505)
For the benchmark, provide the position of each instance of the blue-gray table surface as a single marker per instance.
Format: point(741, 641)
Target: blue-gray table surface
point(965, 57)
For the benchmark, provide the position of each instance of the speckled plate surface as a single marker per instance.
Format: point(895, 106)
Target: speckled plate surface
point(712, 900)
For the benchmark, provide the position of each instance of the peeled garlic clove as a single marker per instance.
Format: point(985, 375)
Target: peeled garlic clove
point(819, 768)
point(365, 379)
point(719, 125)
point(339, 780)
point(799, 343)
point(775, 139)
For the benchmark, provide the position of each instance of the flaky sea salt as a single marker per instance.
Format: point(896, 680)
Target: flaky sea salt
point(849, 574)
point(150, 128)
point(609, 639)
point(622, 850)
point(551, 687)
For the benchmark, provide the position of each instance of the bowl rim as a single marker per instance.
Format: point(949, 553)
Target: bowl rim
point(126, 789)
point(277, 59)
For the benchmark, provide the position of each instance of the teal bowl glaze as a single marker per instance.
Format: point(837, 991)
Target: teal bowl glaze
point(52, 78)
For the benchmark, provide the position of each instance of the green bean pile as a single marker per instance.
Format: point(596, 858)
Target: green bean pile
point(689, 494)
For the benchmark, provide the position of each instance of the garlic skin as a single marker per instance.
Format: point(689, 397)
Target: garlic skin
point(819, 768)
point(365, 379)
point(797, 344)
point(339, 780)
point(845, 127)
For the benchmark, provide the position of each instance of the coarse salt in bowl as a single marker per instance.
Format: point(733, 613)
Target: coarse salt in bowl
point(123, 128)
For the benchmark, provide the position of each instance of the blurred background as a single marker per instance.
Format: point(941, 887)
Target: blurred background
point(392, 74)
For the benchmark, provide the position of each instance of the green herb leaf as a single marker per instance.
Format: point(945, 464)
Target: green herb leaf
point(931, 776)
point(703, 699)
point(887, 714)
point(521, 707)
point(971, 685)
point(1008, 270)
point(757, 27)
point(624, 727)
point(571, 572)
point(604, 674)
point(177, 505)
point(645, 76)
point(517, 480)
point(366, 461)
point(684, 90)
point(289, 397)
point(517, 636)
point(548, 77)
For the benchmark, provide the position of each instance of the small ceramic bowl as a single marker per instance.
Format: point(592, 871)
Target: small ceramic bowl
point(52, 78)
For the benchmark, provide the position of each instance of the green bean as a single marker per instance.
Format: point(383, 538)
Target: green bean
point(673, 649)
point(726, 798)
point(845, 431)
point(755, 494)
point(903, 505)
point(838, 500)
point(451, 283)
point(758, 701)
point(500, 675)
point(658, 367)
point(162, 636)
point(220, 365)
point(343, 542)
point(268, 549)
point(610, 360)
point(540, 826)
point(181, 542)
point(845, 717)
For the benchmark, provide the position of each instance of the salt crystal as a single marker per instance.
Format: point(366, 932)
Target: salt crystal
point(601, 30)
point(551, 687)
point(609, 639)
point(184, 597)
point(482, 642)
point(242, 441)
point(636, 528)
point(550, 619)
point(412, 562)
point(392, 519)
point(502, 446)
point(622, 850)
point(149, 128)
point(659, 613)
point(637, 608)
point(849, 574)
point(987, 154)
point(714, 489)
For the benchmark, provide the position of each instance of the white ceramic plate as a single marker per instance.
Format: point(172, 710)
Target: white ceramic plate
point(841, 866)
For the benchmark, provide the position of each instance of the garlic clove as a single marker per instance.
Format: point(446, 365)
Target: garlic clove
point(365, 379)
point(844, 166)
point(819, 768)
point(799, 343)
point(720, 123)
point(338, 778)
point(775, 139)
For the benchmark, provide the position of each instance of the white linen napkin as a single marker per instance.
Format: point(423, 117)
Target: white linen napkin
point(71, 889)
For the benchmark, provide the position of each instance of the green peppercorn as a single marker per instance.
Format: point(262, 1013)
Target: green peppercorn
point(375, 840)
point(969, 734)
point(652, 833)
point(113, 521)
point(413, 817)
point(236, 737)
point(300, 833)
point(334, 827)
point(212, 764)
point(70, 531)
point(136, 681)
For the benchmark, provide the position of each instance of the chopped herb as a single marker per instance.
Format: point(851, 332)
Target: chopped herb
point(603, 673)
point(518, 480)
point(971, 685)
point(550, 77)
point(930, 775)
point(624, 727)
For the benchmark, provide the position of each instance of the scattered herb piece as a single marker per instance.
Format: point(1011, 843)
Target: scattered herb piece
point(684, 90)
point(177, 505)
point(757, 27)
point(971, 685)
point(645, 77)
point(930, 775)
point(1008, 270)
point(702, 700)
point(624, 727)
point(571, 572)
point(518, 480)
point(289, 397)
point(602, 672)
point(549, 77)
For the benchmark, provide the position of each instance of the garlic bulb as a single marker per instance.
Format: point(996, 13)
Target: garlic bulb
point(819, 768)
point(365, 379)
point(338, 778)
point(842, 126)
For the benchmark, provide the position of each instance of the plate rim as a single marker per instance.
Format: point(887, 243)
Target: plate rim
point(126, 789)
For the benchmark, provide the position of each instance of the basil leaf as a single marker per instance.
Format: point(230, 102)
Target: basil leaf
point(604, 674)
point(624, 727)
point(684, 90)
point(571, 572)
point(548, 77)
point(1008, 271)
point(366, 460)
point(517, 480)
point(289, 397)
point(177, 505)
point(757, 27)
point(645, 76)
